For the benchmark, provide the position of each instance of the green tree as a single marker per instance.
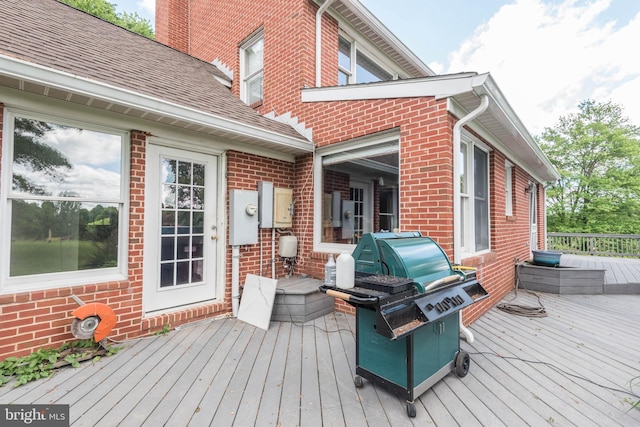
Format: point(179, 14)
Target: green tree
point(597, 152)
point(30, 152)
point(107, 11)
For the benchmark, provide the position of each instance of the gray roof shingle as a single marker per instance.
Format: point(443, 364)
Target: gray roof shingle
point(57, 36)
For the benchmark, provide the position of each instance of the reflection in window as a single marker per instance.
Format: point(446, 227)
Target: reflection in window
point(362, 70)
point(66, 200)
point(360, 188)
point(182, 213)
point(474, 197)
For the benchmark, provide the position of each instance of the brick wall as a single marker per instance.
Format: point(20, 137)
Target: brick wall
point(244, 172)
point(172, 23)
point(426, 133)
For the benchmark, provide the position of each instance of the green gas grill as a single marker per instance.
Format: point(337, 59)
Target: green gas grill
point(407, 298)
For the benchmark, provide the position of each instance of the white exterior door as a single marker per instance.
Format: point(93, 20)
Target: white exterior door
point(180, 234)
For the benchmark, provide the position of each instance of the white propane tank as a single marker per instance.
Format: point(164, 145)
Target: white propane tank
point(330, 272)
point(288, 246)
point(345, 271)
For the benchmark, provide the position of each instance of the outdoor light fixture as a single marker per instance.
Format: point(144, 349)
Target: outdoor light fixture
point(528, 188)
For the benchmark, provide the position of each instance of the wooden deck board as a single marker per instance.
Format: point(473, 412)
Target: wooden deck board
point(227, 373)
point(617, 270)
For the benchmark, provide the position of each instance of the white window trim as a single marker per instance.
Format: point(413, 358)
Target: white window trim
point(244, 78)
point(69, 278)
point(508, 187)
point(467, 246)
point(371, 142)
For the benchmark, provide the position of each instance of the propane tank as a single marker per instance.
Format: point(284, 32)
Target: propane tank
point(345, 271)
point(330, 272)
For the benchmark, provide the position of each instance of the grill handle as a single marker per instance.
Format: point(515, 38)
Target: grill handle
point(443, 281)
point(350, 298)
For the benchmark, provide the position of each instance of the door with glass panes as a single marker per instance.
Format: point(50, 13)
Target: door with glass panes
point(180, 228)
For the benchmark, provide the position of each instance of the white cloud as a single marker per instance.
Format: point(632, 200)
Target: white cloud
point(547, 57)
point(149, 6)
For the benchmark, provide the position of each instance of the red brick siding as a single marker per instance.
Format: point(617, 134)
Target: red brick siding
point(172, 23)
point(244, 172)
point(426, 133)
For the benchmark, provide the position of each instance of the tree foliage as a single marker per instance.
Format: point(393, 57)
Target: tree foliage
point(30, 152)
point(107, 11)
point(597, 152)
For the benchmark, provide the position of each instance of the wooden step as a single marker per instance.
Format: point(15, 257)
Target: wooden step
point(299, 300)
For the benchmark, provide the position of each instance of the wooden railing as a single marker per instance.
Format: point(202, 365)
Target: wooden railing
point(618, 245)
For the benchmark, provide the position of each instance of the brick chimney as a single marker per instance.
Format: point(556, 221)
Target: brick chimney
point(172, 23)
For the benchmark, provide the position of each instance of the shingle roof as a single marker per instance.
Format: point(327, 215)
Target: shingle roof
point(57, 36)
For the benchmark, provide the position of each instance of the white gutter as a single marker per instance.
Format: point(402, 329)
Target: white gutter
point(457, 129)
point(319, 14)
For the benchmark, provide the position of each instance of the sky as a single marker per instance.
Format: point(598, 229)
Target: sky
point(545, 55)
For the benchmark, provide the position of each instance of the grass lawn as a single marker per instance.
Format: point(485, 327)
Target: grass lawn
point(37, 257)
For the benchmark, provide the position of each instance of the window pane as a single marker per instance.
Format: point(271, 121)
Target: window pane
point(62, 161)
point(343, 78)
point(344, 54)
point(51, 237)
point(368, 71)
point(463, 168)
point(254, 54)
point(368, 178)
point(254, 88)
point(481, 198)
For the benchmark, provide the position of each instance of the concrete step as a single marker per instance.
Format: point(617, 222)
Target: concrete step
point(299, 300)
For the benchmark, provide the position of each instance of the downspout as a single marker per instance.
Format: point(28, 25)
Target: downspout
point(235, 279)
point(457, 131)
point(543, 203)
point(319, 14)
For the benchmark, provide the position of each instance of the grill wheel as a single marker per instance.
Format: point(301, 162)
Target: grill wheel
point(462, 363)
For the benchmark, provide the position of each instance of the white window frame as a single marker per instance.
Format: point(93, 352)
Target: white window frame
point(68, 278)
point(467, 199)
point(508, 188)
point(360, 46)
point(245, 79)
point(342, 151)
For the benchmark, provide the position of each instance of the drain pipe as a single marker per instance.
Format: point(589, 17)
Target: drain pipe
point(235, 279)
point(457, 131)
point(319, 14)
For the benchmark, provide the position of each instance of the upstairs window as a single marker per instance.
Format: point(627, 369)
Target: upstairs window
point(252, 70)
point(356, 67)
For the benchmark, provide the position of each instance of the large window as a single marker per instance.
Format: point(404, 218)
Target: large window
point(62, 203)
point(252, 70)
point(474, 196)
point(354, 66)
point(358, 184)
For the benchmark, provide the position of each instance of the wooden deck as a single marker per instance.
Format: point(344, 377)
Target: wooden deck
point(564, 369)
point(617, 270)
